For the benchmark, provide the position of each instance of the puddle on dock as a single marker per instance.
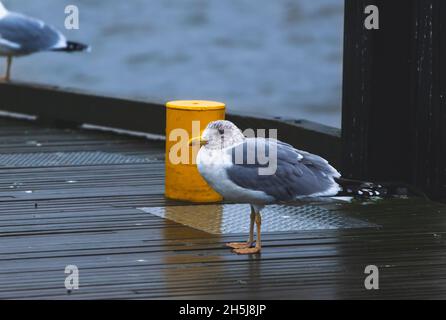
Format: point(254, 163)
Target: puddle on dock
point(235, 218)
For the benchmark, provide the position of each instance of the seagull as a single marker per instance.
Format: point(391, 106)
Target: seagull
point(21, 35)
point(231, 164)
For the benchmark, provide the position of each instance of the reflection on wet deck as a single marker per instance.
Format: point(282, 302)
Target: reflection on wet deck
point(87, 214)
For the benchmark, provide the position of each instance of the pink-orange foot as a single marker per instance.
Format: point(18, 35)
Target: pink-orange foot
point(239, 245)
point(247, 250)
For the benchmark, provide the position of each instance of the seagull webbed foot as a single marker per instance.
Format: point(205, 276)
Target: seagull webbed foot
point(239, 245)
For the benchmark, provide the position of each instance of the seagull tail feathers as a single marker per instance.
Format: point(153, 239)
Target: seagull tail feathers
point(363, 189)
point(357, 188)
point(75, 47)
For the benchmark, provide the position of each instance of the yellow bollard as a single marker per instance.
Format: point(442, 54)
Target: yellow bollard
point(183, 181)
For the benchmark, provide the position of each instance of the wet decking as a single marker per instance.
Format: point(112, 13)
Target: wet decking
point(71, 197)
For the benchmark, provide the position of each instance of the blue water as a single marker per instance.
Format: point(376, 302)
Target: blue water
point(271, 57)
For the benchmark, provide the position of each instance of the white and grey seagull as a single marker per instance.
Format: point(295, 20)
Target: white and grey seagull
point(230, 163)
point(21, 35)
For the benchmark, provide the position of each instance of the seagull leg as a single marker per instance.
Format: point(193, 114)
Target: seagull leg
point(258, 247)
point(7, 76)
point(248, 244)
point(8, 68)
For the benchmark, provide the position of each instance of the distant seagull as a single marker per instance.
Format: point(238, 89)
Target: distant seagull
point(223, 161)
point(21, 35)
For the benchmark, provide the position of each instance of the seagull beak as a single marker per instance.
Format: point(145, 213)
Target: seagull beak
point(196, 140)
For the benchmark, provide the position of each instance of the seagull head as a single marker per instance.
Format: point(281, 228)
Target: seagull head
point(221, 134)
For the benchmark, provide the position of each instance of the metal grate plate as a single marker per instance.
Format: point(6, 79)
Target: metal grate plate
point(67, 159)
point(234, 218)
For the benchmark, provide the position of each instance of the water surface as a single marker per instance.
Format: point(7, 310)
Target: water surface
point(280, 58)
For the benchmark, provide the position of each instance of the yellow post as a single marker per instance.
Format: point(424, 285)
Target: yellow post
point(185, 120)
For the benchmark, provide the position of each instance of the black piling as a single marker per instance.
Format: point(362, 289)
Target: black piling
point(394, 89)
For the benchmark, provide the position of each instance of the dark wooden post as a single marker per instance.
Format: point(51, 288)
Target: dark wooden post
point(394, 91)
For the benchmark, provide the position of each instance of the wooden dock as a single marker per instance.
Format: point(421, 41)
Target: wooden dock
point(80, 208)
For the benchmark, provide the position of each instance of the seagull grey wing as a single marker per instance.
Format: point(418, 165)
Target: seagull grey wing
point(7, 47)
point(319, 163)
point(29, 35)
point(297, 175)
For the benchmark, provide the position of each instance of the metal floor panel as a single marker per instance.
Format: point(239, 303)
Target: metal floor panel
point(67, 159)
point(234, 218)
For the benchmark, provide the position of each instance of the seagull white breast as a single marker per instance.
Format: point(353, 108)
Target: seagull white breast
point(212, 165)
